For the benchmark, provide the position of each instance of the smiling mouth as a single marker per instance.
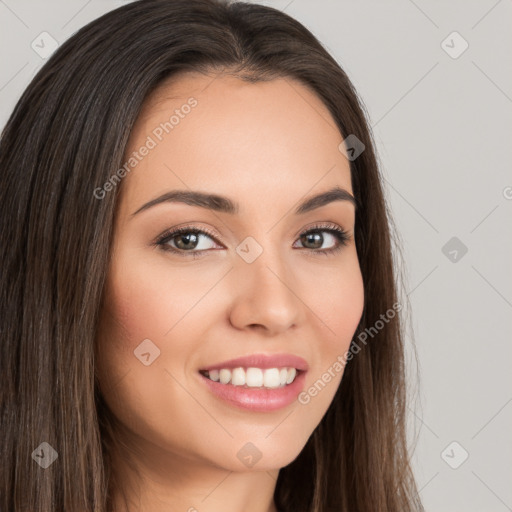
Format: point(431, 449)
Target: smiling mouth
point(251, 377)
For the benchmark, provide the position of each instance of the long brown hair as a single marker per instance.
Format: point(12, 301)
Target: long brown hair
point(66, 137)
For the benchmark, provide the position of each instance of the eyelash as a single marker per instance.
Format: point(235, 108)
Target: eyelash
point(340, 234)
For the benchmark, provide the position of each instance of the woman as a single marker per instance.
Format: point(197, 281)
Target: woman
point(198, 289)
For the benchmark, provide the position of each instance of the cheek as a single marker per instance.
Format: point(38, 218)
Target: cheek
point(336, 298)
point(150, 300)
point(146, 302)
point(349, 307)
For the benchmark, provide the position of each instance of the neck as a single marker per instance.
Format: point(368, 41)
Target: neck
point(159, 482)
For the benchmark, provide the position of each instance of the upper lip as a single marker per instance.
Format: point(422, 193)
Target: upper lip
point(262, 361)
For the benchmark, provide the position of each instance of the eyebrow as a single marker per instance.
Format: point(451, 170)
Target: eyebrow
point(225, 205)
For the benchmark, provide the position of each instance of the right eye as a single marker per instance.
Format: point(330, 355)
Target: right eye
point(184, 240)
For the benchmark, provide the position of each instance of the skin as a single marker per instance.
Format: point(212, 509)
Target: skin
point(266, 146)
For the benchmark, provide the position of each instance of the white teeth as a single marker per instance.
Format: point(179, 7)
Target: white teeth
point(224, 376)
point(254, 377)
point(271, 378)
point(238, 377)
point(291, 375)
point(214, 375)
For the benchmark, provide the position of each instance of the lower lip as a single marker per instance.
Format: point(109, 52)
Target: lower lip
point(258, 399)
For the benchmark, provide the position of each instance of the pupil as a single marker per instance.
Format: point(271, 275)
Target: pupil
point(315, 238)
point(188, 242)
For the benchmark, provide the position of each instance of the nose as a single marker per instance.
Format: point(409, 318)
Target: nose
point(264, 297)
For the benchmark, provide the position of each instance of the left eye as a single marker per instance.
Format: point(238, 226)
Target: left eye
point(316, 238)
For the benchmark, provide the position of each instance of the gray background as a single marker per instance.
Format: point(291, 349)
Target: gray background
point(443, 131)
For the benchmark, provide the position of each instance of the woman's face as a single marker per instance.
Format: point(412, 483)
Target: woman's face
point(252, 286)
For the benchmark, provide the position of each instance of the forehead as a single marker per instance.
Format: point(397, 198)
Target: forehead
point(216, 133)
